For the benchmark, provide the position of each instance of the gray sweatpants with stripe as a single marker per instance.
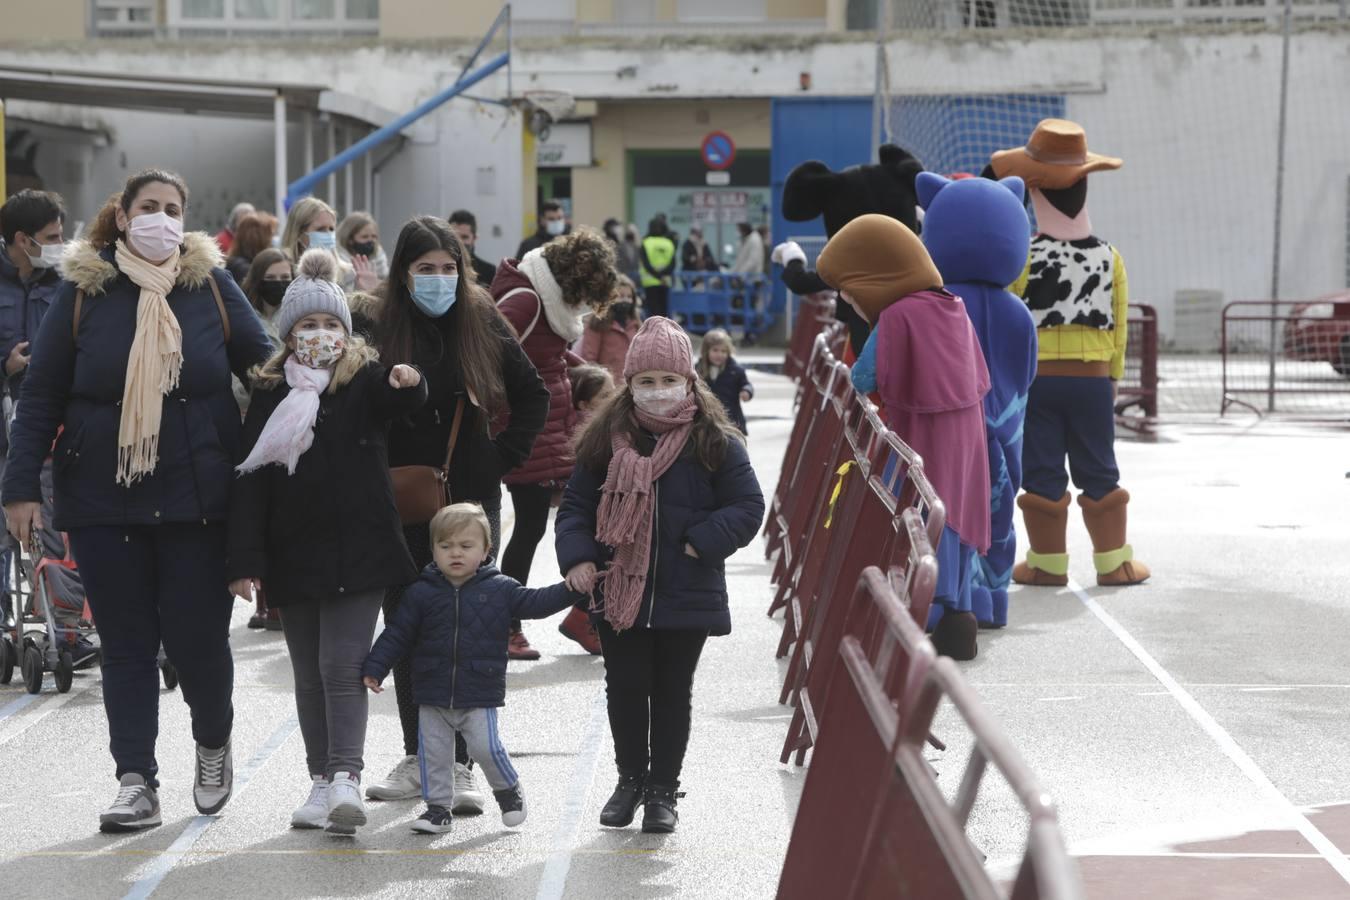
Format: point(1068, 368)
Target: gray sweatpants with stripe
point(436, 727)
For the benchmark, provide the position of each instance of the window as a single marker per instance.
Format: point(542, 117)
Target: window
point(275, 17)
point(203, 9)
point(720, 10)
point(547, 10)
point(363, 9)
point(313, 9)
point(257, 9)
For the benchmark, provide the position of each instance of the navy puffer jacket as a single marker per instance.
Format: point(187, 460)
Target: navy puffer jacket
point(457, 636)
point(717, 513)
point(75, 384)
point(728, 386)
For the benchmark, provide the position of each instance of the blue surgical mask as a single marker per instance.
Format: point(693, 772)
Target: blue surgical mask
point(434, 294)
point(323, 240)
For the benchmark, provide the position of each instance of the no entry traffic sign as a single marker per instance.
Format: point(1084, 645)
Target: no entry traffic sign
point(719, 150)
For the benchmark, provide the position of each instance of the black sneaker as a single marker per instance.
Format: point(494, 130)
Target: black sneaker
point(83, 652)
point(623, 803)
point(436, 820)
point(136, 807)
point(659, 815)
point(512, 804)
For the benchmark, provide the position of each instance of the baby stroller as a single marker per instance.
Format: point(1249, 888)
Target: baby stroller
point(50, 628)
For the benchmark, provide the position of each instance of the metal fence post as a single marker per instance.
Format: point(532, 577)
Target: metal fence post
point(1279, 201)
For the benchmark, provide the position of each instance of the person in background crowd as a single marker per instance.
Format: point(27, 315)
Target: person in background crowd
point(629, 251)
point(447, 326)
point(552, 224)
point(592, 386)
point(358, 245)
point(663, 494)
point(696, 255)
point(312, 518)
point(544, 296)
point(609, 333)
point(613, 229)
point(658, 266)
point(750, 256)
point(724, 376)
point(32, 232)
point(465, 224)
point(32, 226)
point(225, 237)
point(265, 287)
point(313, 224)
point(763, 232)
point(135, 385)
point(253, 235)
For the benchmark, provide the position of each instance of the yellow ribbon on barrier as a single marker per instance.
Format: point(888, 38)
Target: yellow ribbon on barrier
point(838, 489)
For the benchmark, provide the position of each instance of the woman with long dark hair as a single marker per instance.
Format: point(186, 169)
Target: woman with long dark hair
point(432, 318)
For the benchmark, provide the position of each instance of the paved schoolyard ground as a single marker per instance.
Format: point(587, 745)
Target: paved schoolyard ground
point(1193, 731)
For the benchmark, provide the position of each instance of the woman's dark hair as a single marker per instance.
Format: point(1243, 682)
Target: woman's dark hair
point(589, 382)
point(708, 438)
point(583, 265)
point(30, 212)
point(253, 234)
point(104, 230)
point(472, 332)
point(257, 271)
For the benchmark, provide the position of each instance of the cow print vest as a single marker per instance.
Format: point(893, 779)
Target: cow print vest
point(1071, 283)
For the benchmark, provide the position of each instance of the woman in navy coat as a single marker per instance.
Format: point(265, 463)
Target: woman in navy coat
point(147, 322)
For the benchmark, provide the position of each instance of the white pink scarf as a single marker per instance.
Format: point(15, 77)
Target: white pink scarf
point(289, 431)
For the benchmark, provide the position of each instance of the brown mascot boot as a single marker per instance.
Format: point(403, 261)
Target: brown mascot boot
point(1105, 521)
point(1047, 562)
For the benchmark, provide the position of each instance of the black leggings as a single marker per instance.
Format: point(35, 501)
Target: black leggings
point(649, 682)
point(419, 544)
point(532, 503)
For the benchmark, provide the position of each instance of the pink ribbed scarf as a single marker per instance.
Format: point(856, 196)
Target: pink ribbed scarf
point(628, 507)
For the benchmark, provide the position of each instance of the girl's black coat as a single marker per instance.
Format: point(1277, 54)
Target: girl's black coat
point(728, 386)
point(716, 512)
point(331, 529)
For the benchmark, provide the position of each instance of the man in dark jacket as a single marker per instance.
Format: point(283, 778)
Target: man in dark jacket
point(552, 223)
point(455, 622)
point(465, 224)
point(32, 227)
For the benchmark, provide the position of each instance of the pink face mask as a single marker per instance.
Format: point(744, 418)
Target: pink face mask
point(155, 235)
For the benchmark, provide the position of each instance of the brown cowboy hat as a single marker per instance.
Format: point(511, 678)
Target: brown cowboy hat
point(1055, 157)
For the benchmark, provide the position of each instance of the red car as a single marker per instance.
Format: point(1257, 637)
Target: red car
point(1319, 331)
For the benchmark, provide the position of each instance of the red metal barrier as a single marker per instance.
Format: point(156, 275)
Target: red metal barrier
point(814, 313)
point(1288, 357)
point(873, 821)
point(816, 652)
point(1138, 388)
point(817, 382)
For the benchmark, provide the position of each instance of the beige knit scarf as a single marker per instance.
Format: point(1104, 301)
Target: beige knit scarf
point(153, 367)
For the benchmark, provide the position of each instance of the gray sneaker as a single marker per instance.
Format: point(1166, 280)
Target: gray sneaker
point(468, 800)
point(215, 779)
point(136, 807)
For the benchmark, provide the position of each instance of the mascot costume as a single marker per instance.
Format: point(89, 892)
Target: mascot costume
point(1075, 288)
point(812, 190)
point(978, 235)
point(924, 359)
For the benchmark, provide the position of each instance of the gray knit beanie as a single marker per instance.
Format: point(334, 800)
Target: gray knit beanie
point(314, 290)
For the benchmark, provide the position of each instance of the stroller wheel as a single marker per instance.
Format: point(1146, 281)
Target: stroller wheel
point(9, 658)
point(170, 674)
point(65, 672)
point(32, 669)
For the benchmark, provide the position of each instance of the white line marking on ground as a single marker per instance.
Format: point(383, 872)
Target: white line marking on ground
point(554, 878)
point(1180, 854)
point(166, 861)
point(1334, 857)
point(1262, 690)
point(53, 703)
point(1154, 694)
point(1057, 699)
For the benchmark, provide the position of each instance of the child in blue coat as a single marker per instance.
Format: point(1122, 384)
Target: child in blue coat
point(455, 621)
point(663, 493)
point(724, 376)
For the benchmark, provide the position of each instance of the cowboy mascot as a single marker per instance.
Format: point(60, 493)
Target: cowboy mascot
point(1075, 287)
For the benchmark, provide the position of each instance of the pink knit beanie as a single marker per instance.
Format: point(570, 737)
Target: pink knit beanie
point(659, 345)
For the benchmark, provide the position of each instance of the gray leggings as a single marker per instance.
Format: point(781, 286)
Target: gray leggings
point(328, 642)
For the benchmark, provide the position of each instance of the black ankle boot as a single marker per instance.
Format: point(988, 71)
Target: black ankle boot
point(623, 803)
point(659, 815)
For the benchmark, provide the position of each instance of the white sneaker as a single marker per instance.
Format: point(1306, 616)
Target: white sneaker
point(215, 779)
point(403, 782)
point(136, 807)
point(468, 799)
point(314, 812)
point(346, 811)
